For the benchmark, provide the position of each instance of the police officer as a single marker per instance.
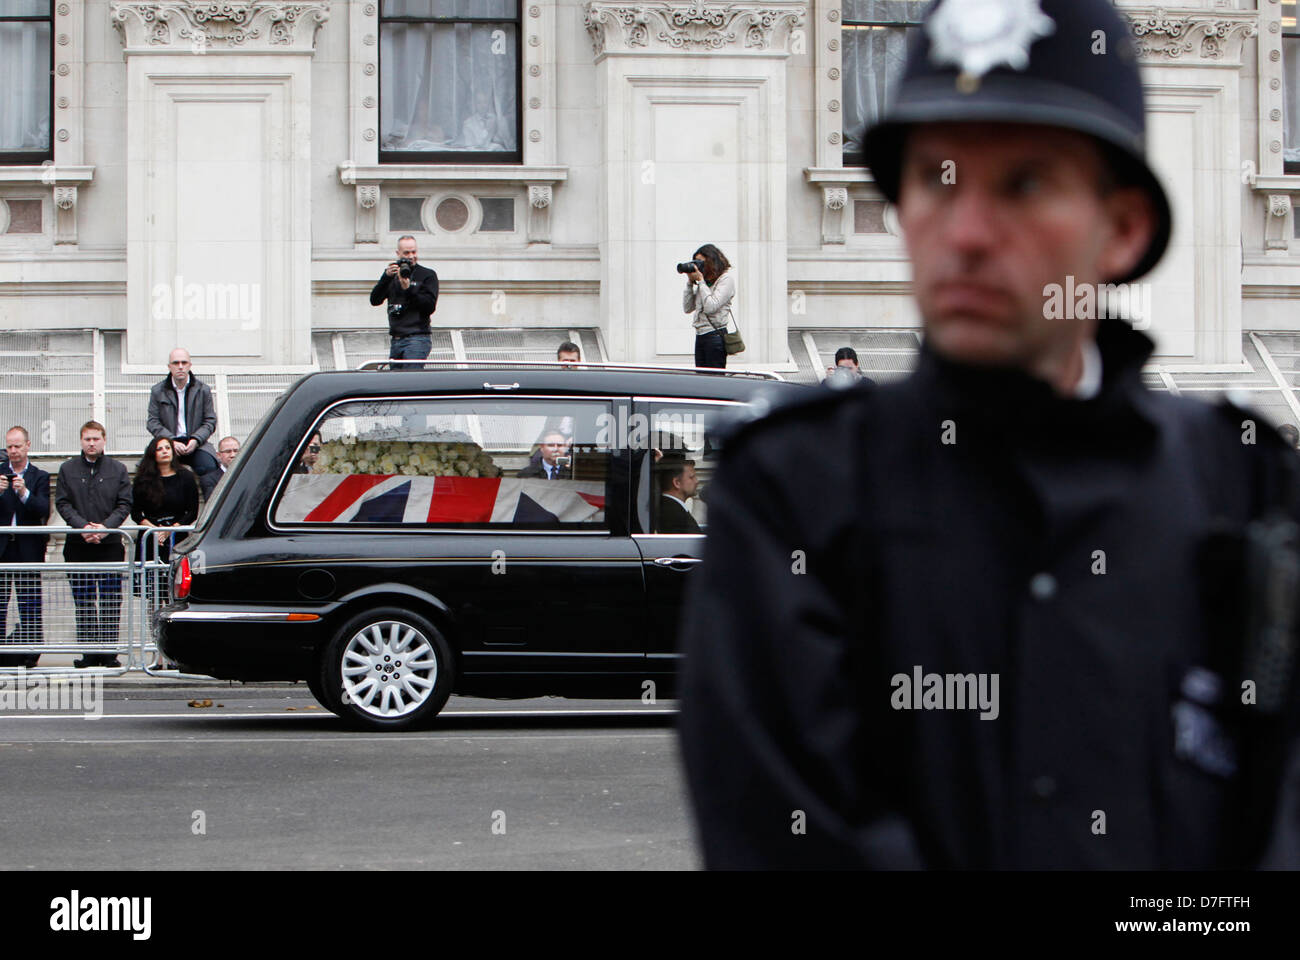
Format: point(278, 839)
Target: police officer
point(1007, 630)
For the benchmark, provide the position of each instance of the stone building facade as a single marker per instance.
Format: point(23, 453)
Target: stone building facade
point(232, 175)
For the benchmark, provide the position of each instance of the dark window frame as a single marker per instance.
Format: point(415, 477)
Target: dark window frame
point(27, 157)
point(459, 156)
point(860, 159)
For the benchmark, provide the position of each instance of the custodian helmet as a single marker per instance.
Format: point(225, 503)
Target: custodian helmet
point(1060, 63)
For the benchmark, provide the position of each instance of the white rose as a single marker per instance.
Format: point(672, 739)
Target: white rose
point(363, 465)
point(472, 472)
point(344, 468)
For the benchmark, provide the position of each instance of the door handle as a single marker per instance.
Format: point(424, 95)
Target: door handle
point(674, 561)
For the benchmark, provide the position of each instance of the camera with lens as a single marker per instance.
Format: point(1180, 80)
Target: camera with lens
point(404, 267)
point(691, 266)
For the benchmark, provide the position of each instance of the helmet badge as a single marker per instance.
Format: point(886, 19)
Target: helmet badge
point(978, 35)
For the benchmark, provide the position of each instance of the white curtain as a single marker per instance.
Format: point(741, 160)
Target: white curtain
point(449, 86)
point(873, 64)
point(24, 78)
point(1291, 99)
point(873, 59)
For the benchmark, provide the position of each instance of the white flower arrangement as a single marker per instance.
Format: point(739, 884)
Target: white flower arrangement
point(451, 458)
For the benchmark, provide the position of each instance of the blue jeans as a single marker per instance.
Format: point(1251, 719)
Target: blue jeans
point(414, 347)
point(711, 350)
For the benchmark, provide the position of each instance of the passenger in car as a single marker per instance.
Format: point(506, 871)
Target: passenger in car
point(309, 456)
point(677, 484)
point(553, 463)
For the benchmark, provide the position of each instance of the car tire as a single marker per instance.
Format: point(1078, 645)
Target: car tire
point(387, 669)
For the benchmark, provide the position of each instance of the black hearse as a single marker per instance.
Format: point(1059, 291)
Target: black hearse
point(393, 536)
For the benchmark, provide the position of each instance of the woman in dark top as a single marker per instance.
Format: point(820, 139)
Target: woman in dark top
point(166, 494)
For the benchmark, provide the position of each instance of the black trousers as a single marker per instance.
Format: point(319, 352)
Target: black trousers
point(711, 350)
point(97, 596)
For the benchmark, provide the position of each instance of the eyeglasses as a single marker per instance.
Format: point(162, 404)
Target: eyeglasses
point(314, 448)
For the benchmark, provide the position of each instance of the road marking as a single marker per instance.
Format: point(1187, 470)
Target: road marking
point(477, 714)
point(395, 737)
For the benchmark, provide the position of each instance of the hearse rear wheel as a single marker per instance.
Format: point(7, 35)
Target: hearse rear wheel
point(387, 669)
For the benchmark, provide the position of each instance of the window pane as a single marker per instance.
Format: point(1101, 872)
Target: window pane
point(24, 8)
point(448, 87)
point(885, 11)
point(25, 87)
point(682, 463)
point(498, 214)
point(500, 9)
point(404, 214)
point(873, 65)
point(1291, 99)
point(530, 464)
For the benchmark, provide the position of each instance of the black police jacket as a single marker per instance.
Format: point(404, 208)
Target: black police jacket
point(408, 310)
point(967, 525)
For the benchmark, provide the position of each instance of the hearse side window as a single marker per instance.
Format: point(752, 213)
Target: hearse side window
point(682, 461)
point(495, 463)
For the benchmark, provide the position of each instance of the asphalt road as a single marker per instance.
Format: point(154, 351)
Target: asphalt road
point(274, 781)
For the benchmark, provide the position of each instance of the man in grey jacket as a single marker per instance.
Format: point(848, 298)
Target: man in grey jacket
point(94, 491)
point(181, 407)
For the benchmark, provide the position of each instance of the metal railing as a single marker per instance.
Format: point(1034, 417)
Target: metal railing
point(558, 365)
point(102, 611)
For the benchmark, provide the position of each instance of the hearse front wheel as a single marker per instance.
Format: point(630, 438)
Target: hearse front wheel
point(389, 669)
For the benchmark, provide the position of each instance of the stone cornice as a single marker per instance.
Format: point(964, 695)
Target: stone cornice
point(219, 26)
point(692, 27)
point(1213, 37)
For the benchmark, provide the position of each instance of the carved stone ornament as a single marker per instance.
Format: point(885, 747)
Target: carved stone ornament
point(219, 25)
point(1279, 204)
point(65, 198)
point(367, 195)
point(539, 195)
point(1163, 37)
point(693, 26)
point(836, 197)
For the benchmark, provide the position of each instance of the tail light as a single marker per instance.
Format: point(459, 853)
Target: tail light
point(182, 580)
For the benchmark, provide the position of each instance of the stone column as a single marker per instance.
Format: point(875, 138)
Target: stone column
point(218, 181)
point(693, 96)
point(1192, 70)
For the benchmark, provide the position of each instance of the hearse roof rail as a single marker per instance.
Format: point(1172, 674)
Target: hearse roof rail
point(557, 365)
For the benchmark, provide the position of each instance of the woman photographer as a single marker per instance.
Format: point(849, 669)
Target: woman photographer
point(165, 494)
point(709, 291)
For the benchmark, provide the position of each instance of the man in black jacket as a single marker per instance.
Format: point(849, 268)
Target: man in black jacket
point(412, 294)
point(24, 502)
point(1005, 625)
point(677, 484)
point(94, 490)
point(181, 407)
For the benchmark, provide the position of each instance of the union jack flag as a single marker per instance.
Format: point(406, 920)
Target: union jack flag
point(381, 498)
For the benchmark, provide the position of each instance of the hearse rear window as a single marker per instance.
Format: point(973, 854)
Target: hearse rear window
point(489, 462)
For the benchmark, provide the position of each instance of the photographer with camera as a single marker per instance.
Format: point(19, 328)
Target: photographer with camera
point(710, 287)
point(412, 294)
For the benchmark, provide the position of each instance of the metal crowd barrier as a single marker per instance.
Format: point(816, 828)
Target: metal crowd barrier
point(53, 607)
